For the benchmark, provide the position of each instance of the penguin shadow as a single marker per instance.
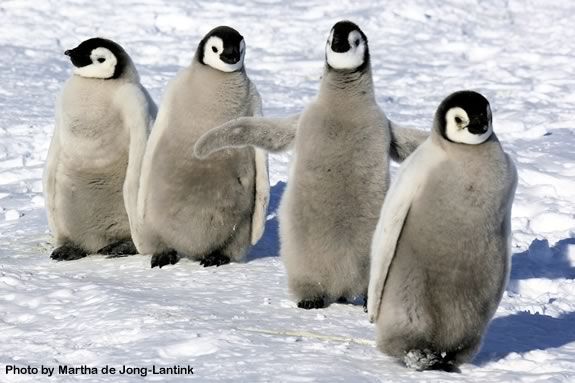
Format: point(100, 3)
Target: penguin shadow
point(524, 331)
point(542, 261)
point(269, 245)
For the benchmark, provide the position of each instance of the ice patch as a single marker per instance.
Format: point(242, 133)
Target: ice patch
point(10, 281)
point(481, 54)
point(551, 222)
point(80, 357)
point(12, 215)
point(38, 201)
point(193, 347)
point(570, 254)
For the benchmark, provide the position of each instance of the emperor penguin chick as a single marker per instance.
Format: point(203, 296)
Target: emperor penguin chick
point(208, 210)
point(103, 115)
point(440, 253)
point(338, 175)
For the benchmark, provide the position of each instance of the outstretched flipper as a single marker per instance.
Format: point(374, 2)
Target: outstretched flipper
point(404, 141)
point(270, 134)
point(403, 191)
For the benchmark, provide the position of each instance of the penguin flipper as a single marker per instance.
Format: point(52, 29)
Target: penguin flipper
point(270, 134)
point(404, 141)
point(50, 173)
point(138, 112)
point(403, 191)
point(262, 195)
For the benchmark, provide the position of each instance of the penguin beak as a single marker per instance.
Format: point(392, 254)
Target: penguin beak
point(229, 59)
point(231, 55)
point(478, 126)
point(339, 43)
point(77, 58)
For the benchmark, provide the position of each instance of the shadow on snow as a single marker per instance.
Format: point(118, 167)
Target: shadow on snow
point(269, 245)
point(542, 261)
point(524, 332)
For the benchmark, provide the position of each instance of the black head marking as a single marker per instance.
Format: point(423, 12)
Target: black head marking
point(475, 105)
point(340, 40)
point(231, 38)
point(341, 31)
point(80, 56)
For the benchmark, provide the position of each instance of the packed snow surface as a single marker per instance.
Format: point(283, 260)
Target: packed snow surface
point(238, 322)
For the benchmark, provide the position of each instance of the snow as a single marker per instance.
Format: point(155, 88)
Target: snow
point(237, 322)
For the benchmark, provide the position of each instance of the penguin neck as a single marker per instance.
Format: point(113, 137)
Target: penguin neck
point(463, 150)
point(216, 80)
point(130, 73)
point(339, 85)
point(212, 87)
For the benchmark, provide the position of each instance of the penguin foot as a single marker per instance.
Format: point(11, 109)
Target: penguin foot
point(308, 304)
point(341, 300)
point(425, 359)
point(365, 303)
point(448, 367)
point(214, 259)
point(119, 249)
point(168, 257)
point(68, 253)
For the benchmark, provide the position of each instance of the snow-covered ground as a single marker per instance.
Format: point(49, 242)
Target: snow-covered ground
point(98, 312)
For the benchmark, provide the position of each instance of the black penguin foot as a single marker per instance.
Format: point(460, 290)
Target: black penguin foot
point(448, 367)
point(314, 303)
point(119, 249)
point(425, 359)
point(168, 257)
point(68, 253)
point(215, 259)
point(341, 300)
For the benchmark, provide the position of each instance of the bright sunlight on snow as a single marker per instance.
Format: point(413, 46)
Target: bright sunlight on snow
point(237, 322)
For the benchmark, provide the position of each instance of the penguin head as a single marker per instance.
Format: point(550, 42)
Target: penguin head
point(98, 58)
point(223, 48)
point(465, 117)
point(346, 47)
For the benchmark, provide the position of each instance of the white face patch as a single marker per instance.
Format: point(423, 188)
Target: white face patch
point(457, 120)
point(351, 59)
point(212, 50)
point(103, 64)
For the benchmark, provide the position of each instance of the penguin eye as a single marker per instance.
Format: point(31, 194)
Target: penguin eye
point(458, 120)
point(214, 49)
point(356, 42)
point(101, 59)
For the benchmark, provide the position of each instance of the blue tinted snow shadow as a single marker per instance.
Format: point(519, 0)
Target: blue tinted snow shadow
point(542, 261)
point(524, 332)
point(269, 245)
